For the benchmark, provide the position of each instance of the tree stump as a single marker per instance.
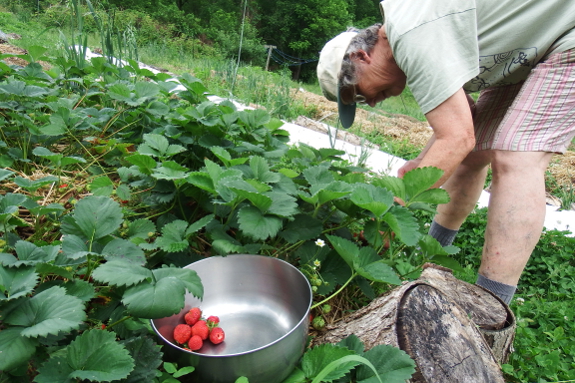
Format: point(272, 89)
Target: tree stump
point(455, 331)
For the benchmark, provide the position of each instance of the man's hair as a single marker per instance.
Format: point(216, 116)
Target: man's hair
point(365, 40)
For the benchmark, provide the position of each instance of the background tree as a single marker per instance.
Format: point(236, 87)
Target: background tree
point(301, 28)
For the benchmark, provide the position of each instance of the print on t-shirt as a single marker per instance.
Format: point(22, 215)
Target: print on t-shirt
point(507, 66)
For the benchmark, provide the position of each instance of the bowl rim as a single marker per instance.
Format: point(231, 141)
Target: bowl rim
point(299, 323)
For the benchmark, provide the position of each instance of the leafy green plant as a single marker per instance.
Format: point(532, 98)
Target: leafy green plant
point(68, 295)
point(174, 179)
point(347, 361)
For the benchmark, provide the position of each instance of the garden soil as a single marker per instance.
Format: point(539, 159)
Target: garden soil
point(367, 123)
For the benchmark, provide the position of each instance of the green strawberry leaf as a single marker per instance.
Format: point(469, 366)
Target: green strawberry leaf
point(119, 248)
point(431, 247)
point(369, 197)
point(261, 170)
point(202, 181)
point(188, 277)
point(283, 205)
point(333, 191)
point(302, 228)
point(318, 178)
point(419, 180)
point(102, 186)
point(155, 145)
point(14, 348)
point(173, 237)
point(336, 368)
point(145, 164)
point(224, 247)
point(147, 357)
point(28, 251)
point(393, 365)
point(32, 185)
point(379, 272)
point(256, 225)
point(140, 228)
point(79, 289)
point(315, 362)
point(97, 216)
point(17, 281)
point(403, 224)
point(199, 224)
point(74, 247)
point(4, 174)
point(48, 312)
point(446, 261)
point(158, 300)
point(431, 196)
point(9, 260)
point(394, 184)
point(353, 343)
point(255, 118)
point(345, 248)
point(225, 156)
point(55, 370)
point(45, 269)
point(296, 376)
point(94, 355)
point(370, 266)
point(122, 272)
point(170, 170)
point(260, 201)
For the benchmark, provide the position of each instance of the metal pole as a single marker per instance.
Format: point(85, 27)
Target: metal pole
point(270, 49)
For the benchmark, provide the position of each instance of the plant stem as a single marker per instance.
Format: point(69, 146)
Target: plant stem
point(337, 292)
point(119, 321)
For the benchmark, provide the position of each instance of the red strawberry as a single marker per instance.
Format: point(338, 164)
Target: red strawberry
point(182, 333)
point(213, 321)
point(217, 335)
point(195, 343)
point(201, 329)
point(193, 316)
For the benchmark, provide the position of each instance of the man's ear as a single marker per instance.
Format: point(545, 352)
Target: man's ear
point(360, 56)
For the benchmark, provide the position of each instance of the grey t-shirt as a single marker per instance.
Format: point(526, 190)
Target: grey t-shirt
point(444, 45)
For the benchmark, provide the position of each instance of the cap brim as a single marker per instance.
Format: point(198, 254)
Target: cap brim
point(346, 113)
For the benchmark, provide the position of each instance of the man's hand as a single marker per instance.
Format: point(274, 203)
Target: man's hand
point(409, 165)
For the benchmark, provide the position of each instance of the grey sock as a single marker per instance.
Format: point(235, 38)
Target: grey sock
point(443, 235)
point(502, 290)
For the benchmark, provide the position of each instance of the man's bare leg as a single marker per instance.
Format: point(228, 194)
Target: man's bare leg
point(516, 213)
point(464, 188)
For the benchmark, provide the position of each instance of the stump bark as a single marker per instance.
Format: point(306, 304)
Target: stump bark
point(455, 331)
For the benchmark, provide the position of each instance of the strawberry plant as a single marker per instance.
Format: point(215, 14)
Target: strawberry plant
point(141, 176)
point(347, 361)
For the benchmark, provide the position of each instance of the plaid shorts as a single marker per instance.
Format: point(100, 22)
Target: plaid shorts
point(535, 115)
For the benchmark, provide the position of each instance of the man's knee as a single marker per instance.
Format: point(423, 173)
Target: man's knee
point(507, 162)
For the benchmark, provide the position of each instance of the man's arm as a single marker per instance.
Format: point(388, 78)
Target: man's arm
point(453, 137)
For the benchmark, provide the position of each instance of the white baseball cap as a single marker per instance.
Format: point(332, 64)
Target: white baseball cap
point(328, 68)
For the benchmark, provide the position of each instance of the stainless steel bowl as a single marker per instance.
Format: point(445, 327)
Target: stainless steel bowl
point(263, 304)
